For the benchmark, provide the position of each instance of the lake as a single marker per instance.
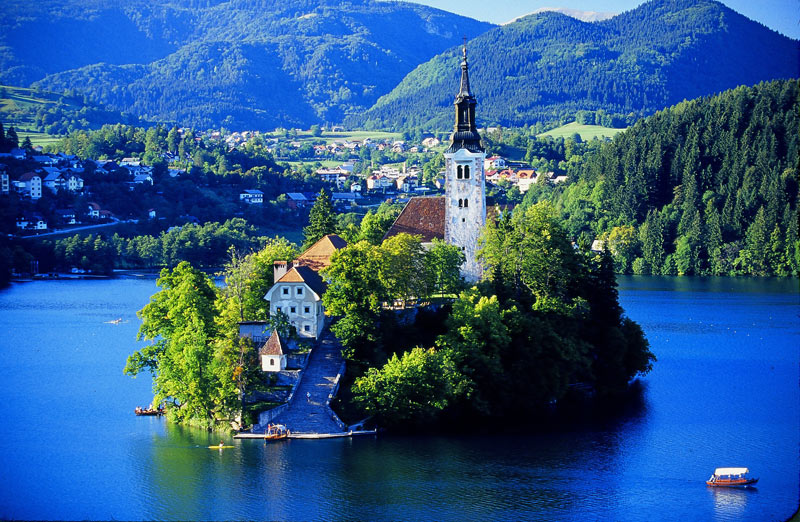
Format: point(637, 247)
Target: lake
point(724, 392)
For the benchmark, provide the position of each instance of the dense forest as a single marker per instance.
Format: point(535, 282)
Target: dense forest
point(548, 66)
point(708, 186)
point(238, 63)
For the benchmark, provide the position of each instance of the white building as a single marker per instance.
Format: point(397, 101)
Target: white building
point(298, 288)
point(273, 354)
point(252, 197)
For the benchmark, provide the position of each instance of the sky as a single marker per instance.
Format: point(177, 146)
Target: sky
point(781, 15)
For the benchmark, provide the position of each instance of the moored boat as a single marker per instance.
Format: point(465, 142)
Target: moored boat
point(731, 477)
point(276, 432)
point(149, 411)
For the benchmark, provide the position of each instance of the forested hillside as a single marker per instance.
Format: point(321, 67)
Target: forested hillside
point(547, 66)
point(708, 186)
point(237, 63)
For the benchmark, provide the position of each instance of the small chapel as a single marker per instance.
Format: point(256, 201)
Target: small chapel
point(460, 215)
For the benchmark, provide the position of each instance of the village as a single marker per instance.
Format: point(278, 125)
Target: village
point(342, 166)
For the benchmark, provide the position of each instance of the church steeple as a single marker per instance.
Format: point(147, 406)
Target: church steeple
point(465, 133)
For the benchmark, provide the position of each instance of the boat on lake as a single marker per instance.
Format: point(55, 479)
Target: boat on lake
point(276, 432)
point(149, 411)
point(731, 477)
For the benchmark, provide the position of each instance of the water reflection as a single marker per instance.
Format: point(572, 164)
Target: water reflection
point(730, 503)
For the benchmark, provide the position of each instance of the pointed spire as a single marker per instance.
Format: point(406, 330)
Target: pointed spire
point(465, 133)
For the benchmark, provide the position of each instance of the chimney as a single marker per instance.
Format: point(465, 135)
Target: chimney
point(279, 269)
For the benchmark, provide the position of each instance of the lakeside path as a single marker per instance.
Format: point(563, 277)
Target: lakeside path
point(308, 411)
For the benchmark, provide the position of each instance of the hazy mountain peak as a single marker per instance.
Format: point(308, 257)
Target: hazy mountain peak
point(584, 16)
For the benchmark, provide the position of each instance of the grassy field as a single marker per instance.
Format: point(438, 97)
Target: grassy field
point(587, 132)
point(17, 104)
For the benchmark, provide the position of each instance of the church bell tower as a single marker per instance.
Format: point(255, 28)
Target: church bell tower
point(465, 188)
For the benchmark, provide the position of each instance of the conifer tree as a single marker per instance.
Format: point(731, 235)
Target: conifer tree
point(321, 220)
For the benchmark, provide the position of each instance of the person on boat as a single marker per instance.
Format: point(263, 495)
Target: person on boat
point(308, 396)
point(221, 444)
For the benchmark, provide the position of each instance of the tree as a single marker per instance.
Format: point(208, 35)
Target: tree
point(410, 390)
point(321, 220)
point(531, 252)
point(443, 262)
point(12, 141)
point(180, 322)
point(354, 293)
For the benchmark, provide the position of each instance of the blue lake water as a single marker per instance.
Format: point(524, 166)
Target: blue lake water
point(724, 392)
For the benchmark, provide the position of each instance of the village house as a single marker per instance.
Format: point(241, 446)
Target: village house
point(30, 184)
point(295, 200)
point(252, 197)
point(31, 221)
point(298, 287)
point(67, 216)
point(494, 163)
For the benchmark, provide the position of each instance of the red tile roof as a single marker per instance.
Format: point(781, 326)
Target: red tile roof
point(307, 275)
point(422, 216)
point(273, 346)
point(319, 254)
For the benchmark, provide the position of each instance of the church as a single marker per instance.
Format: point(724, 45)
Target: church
point(459, 217)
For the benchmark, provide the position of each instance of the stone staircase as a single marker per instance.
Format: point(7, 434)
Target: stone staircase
point(308, 411)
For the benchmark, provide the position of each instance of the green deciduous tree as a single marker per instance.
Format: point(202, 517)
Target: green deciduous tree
point(180, 323)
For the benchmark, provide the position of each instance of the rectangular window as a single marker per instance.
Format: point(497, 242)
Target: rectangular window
point(306, 309)
point(299, 291)
point(292, 309)
point(285, 290)
point(306, 328)
point(278, 309)
point(272, 362)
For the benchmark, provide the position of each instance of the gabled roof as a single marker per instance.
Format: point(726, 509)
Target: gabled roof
point(273, 346)
point(29, 176)
point(422, 216)
point(304, 274)
point(319, 254)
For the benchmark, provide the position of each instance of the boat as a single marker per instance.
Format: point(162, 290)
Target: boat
point(218, 447)
point(276, 432)
point(149, 411)
point(731, 477)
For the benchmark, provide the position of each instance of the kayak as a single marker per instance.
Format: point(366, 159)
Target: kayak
point(219, 447)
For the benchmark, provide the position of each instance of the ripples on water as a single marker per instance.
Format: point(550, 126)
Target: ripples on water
point(724, 392)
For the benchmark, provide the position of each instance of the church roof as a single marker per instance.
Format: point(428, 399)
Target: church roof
point(319, 254)
point(307, 275)
point(273, 346)
point(422, 216)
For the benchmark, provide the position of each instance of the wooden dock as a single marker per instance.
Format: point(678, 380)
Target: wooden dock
point(336, 435)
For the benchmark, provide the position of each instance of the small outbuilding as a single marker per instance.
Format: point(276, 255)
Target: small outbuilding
point(273, 354)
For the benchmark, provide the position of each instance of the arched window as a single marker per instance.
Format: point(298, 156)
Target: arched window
point(466, 171)
point(466, 203)
point(460, 203)
point(459, 172)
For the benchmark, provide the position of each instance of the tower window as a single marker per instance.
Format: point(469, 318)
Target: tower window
point(459, 172)
point(463, 220)
point(466, 172)
point(460, 203)
point(466, 203)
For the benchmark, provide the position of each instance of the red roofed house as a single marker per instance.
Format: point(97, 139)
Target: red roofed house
point(298, 287)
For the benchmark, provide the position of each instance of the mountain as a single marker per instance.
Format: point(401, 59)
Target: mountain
point(238, 63)
point(584, 16)
point(706, 187)
point(547, 66)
